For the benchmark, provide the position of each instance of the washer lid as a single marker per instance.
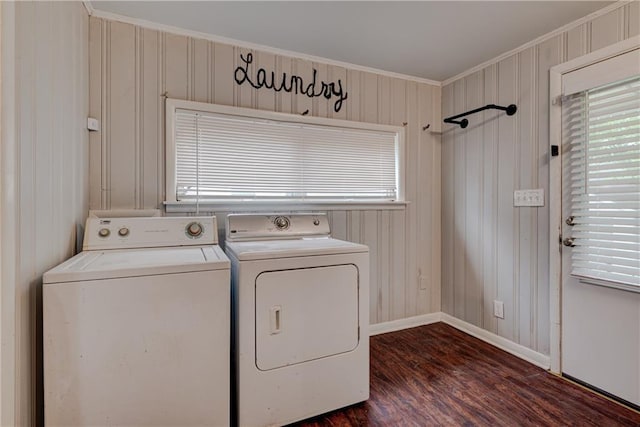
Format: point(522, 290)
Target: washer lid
point(111, 264)
point(270, 249)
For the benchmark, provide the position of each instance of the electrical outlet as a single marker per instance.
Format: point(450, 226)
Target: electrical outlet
point(423, 283)
point(498, 309)
point(528, 197)
point(93, 124)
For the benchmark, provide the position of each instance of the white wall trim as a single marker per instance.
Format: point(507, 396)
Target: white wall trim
point(8, 216)
point(555, 185)
point(406, 323)
point(539, 40)
point(247, 45)
point(555, 220)
point(517, 350)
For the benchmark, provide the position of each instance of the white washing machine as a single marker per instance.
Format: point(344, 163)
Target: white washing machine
point(136, 328)
point(300, 318)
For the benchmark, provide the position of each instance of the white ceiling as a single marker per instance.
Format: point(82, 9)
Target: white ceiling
point(429, 39)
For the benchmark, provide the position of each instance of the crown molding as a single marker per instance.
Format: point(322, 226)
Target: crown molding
point(89, 6)
point(262, 48)
point(538, 40)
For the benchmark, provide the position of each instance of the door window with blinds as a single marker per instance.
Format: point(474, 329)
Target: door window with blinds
point(601, 125)
point(227, 154)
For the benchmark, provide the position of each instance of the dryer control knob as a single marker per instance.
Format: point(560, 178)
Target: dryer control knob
point(123, 232)
point(194, 229)
point(104, 232)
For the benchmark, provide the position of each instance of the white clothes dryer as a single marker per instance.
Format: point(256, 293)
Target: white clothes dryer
point(136, 327)
point(300, 318)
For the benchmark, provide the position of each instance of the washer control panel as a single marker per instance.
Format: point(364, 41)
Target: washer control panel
point(276, 226)
point(149, 232)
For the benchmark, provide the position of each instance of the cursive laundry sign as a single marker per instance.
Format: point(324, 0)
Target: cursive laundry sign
point(291, 83)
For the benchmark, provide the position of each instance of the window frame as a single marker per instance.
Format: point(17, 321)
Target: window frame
point(173, 205)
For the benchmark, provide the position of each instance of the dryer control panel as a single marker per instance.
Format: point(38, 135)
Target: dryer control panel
point(276, 226)
point(149, 232)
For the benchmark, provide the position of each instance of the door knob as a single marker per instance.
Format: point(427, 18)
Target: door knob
point(569, 220)
point(568, 241)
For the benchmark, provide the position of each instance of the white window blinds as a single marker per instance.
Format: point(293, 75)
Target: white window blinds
point(603, 127)
point(228, 157)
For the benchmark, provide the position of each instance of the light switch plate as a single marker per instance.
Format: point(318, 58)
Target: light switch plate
point(533, 197)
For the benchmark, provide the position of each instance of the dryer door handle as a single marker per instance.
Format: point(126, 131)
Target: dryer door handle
point(275, 319)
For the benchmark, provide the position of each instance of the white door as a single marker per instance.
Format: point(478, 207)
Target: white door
point(305, 314)
point(601, 226)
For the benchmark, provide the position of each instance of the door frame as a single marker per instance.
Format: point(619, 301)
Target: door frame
point(555, 185)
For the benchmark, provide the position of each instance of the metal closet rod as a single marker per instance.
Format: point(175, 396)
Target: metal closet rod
point(511, 110)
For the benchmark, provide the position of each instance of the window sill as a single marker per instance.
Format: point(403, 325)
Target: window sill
point(253, 206)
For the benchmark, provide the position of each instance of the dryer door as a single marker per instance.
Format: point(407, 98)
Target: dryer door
point(305, 314)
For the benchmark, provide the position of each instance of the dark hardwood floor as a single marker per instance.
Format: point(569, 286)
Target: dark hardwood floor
point(436, 375)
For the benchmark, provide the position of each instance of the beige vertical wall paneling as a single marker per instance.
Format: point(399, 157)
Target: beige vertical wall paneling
point(607, 29)
point(266, 98)
point(369, 227)
point(489, 198)
point(52, 177)
point(398, 280)
point(320, 105)
point(224, 65)
point(508, 181)
point(284, 99)
point(403, 243)
point(26, 84)
point(434, 230)
point(123, 139)
point(96, 139)
point(513, 255)
point(200, 71)
point(352, 106)
point(447, 205)
point(527, 244)
point(633, 19)
point(550, 53)
point(335, 74)
point(472, 201)
point(151, 111)
point(301, 102)
point(577, 41)
point(412, 191)
point(459, 208)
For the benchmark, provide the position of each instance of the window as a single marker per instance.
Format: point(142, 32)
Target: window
point(226, 154)
point(603, 127)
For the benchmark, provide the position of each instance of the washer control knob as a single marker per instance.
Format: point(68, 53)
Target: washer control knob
point(123, 232)
point(104, 232)
point(281, 222)
point(194, 229)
